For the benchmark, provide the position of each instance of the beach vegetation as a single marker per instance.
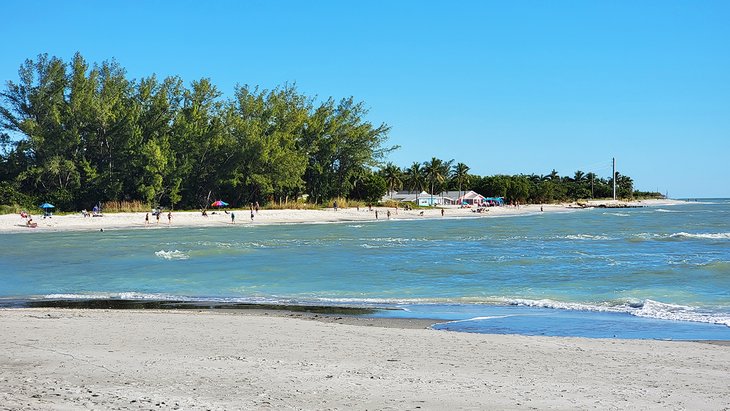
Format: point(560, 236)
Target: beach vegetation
point(79, 134)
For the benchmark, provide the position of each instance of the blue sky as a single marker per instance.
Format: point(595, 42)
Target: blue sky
point(505, 87)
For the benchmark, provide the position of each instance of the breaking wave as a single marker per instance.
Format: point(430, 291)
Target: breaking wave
point(646, 308)
point(172, 255)
point(710, 236)
point(682, 235)
point(586, 237)
point(640, 308)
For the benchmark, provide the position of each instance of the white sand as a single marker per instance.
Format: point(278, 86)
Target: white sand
point(14, 223)
point(72, 359)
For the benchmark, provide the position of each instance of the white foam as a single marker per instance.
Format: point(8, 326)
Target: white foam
point(711, 236)
point(131, 295)
point(76, 296)
point(491, 317)
point(586, 237)
point(647, 308)
point(640, 308)
point(172, 255)
point(617, 214)
point(662, 210)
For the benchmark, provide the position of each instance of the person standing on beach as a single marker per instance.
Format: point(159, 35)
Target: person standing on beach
point(147, 219)
point(233, 218)
point(158, 216)
point(442, 212)
point(257, 207)
point(335, 205)
point(376, 214)
point(169, 217)
point(388, 214)
point(251, 215)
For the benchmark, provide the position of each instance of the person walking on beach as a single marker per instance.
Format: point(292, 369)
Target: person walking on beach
point(233, 218)
point(169, 217)
point(376, 214)
point(442, 212)
point(251, 215)
point(158, 216)
point(257, 207)
point(147, 219)
point(388, 214)
point(335, 205)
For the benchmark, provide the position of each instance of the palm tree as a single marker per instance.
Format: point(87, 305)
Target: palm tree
point(460, 174)
point(393, 177)
point(414, 179)
point(436, 172)
point(624, 186)
point(591, 176)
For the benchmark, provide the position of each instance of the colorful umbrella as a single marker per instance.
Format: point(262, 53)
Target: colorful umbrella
point(46, 206)
point(219, 203)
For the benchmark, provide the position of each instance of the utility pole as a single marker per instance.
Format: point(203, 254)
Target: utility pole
point(614, 179)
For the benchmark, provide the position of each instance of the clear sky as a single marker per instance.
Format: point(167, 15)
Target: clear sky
point(506, 87)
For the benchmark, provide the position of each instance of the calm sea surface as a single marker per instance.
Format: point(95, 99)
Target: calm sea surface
point(657, 272)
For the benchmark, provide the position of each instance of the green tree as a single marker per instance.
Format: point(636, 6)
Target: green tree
point(340, 144)
point(370, 188)
point(460, 175)
point(268, 127)
point(393, 177)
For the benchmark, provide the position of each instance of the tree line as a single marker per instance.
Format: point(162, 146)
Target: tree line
point(78, 134)
point(437, 175)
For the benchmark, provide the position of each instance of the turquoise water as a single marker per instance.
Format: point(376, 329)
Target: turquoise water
point(655, 272)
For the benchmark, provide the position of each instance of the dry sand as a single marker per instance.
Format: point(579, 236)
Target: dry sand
point(78, 359)
point(14, 223)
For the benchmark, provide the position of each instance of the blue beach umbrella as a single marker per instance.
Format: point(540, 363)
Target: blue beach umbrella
point(46, 206)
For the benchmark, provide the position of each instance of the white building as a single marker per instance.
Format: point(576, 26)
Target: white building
point(421, 199)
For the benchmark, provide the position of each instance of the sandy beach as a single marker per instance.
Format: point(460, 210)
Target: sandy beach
point(72, 359)
point(218, 218)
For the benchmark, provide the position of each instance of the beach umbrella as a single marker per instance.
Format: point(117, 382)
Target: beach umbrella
point(46, 206)
point(219, 203)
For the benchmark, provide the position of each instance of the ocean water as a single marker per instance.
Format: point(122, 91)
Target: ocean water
point(654, 272)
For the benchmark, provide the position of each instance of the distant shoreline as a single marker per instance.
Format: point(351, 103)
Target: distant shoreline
point(13, 223)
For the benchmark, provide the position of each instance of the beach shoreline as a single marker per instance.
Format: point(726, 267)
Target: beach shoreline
point(13, 223)
point(70, 358)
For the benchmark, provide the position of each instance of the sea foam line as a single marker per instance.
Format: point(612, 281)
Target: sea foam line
point(640, 308)
point(711, 236)
point(172, 255)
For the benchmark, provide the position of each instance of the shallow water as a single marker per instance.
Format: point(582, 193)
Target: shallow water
point(659, 272)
